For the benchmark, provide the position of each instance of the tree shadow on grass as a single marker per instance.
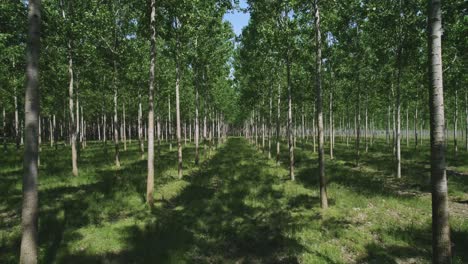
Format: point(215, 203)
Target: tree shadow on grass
point(418, 248)
point(229, 212)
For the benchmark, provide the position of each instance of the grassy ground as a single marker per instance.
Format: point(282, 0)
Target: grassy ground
point(236, 207)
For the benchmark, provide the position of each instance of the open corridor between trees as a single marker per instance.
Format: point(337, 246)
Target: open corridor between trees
point(238, 206)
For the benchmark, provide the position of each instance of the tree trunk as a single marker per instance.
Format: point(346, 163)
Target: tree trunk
point(178, 128)
point(455, 124)
point(263, 132)
point(116, 124)
point(290, 122)
point(185, 133)
point(331, 125)
point(124, 133)
point(30, 208)
point(83, 145)
point(303, 136)
point(314, 129)
point(99, 128)
point(169, 137)
point(366, 125)
point(407, 127)
point(72, 127)
point(104, 130)
point(166, 129)
point(140, 127)
point(219, 128)
point(150, 176)
point(416, 123)
point(4, 131)
point(77, 125)
point(158, 131)
point(197, 129)
point(466, 124)
point(17, 129)
point(358, 126)
point(318, 84)
point(388, 125)
point(398, 115)
point(51, 133)
point(278, 117)
point(394, 132)
point(269, 122)
point(441, 245)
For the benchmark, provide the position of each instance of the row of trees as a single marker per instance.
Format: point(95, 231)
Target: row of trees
point(99, 52)
point(94, 78)
point(362, 65)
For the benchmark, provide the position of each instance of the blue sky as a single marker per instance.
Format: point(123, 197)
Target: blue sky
point(238, 19)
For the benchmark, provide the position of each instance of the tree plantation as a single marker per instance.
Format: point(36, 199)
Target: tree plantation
point(233, 131)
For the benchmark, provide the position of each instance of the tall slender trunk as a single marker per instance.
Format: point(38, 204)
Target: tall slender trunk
point(39, 136)
point(104, 130)
point(398, 114)
point(358, 124)
point(17, 129)
point(72, 126)
point(388, 124)
point(197, 129)
point(185, 133)
point(394, 132)
point(219, 128)
point(150, 176)
point(212, 128)
point(124, 133)
point(455, 124)
point(4, 131)
point(158, 131)
point(407, 127)
point(263, 132)
point(290, 121)
point(116, 123)
point(178, 128)
point(169, 125)
point(318, 84)
point(366, 139)
point(99, 128)
point(51, 133)
point(255, 124)
point(269, 121)
point(55, 132)
point(205, 133)
point(278, 117)
point(77, 121)
point(166, 128)
point(441, 245)
point(140, 127)
point(21, 133)
point(416, 123)
point(314, 129)
point(303, 136)
point(30, 208)
point(82, 128)
point(466, 124)
point(331, 125)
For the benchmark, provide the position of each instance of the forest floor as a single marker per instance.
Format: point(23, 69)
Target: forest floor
point(236, 207)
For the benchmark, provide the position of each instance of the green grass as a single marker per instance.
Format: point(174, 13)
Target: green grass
point(236, 207)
